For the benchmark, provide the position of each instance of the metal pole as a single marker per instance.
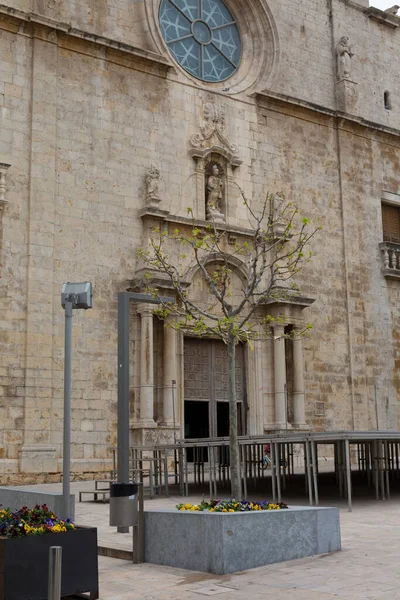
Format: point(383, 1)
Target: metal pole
point(376, 408)
point(309, 483)
point(286, 405)
point(124, 299)
point(54, 583)
point(273, 482)
point(67, 409)
point(348, 473)
point(314, 471)
point(173, 407)
point(278, 470)
point(123, 394)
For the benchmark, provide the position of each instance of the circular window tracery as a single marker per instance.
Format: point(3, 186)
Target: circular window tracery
point(202, 36)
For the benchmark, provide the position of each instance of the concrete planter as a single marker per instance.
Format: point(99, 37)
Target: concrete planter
point(225, 543)
point(16, 496)
point(24, 564)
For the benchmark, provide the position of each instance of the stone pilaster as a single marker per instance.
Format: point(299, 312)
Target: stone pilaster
point(38, 454)
point(279, 377)
point(146, 366)
point(298, 384)
point(170, 373)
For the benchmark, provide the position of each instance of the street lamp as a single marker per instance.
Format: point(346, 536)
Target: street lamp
point(73, 296)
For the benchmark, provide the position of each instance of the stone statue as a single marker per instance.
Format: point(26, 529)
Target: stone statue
point(152, 182)
point(344, 56)
point(215, 185)
point(393, 10)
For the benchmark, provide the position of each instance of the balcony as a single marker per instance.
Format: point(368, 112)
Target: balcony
point(391, 259)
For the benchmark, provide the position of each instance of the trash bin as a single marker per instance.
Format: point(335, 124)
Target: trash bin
point(123, 504)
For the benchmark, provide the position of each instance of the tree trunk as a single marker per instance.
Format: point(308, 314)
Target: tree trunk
point(236, 487)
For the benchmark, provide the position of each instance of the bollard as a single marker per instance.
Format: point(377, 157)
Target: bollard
point(55, 558)
point(138, 530)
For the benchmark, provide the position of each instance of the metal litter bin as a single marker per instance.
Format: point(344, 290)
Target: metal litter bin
point(123, 504)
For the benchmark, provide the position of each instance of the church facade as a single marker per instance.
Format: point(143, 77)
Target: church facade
point(116, 117)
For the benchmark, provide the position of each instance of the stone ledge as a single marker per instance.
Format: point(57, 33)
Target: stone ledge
point(391, 273)
point(166, 217)
point(383, 17)
point(225, 543)
point(64, 28)
point(328, 112)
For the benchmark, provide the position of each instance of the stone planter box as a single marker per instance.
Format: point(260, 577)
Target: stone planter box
point(16, 496)
point(224, 543)
point(24, 564)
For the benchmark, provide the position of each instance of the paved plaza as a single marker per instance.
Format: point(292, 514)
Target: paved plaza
point(367, 567)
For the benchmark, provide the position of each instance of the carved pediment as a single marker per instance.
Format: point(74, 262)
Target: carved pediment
point(212, 137)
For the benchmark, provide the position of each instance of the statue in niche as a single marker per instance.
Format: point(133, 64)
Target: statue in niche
point(214, 195)
point(344, 56)
point(152, 183)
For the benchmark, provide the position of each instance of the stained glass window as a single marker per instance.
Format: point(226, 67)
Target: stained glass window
point(202, 36)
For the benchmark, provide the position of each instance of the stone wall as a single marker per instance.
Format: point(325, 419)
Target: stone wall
point(81, 123)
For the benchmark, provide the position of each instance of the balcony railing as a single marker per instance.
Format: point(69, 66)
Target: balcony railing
point(391, 259)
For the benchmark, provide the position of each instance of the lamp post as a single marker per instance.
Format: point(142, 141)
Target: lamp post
point(73, 296)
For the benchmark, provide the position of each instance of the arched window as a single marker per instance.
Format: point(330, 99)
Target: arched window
point(202, 36)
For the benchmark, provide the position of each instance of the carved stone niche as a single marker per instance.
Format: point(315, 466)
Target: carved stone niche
point(211, 148)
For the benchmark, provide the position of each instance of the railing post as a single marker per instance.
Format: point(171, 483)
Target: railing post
point(55, 560)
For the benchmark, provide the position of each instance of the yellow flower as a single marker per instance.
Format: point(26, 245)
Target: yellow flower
point(231, 510)
point(224, 510)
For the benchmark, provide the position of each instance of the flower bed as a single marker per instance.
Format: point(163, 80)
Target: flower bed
point(231, 505)
point(35, 521)
point(26, 536)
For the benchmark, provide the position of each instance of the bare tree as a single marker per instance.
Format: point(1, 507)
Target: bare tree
point(272, 254)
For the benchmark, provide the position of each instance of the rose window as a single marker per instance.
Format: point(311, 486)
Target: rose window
point(202, 36)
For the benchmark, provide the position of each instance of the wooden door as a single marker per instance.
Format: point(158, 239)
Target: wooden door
point(206, 380)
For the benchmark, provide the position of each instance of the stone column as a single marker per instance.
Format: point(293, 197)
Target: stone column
point(170, 373)
point(299, 417)
point(279, 376)
point(146, 366)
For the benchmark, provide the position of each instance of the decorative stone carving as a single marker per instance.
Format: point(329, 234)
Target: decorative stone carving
point(3, 176)
point(214, 193)
point(209, 147)
point(344, 56)
point(346, 95)
point(212, 137)
point(346, 89)
point(278, 217)
point(54, 4)
point(152, 183)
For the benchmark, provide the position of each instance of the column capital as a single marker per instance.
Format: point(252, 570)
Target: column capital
point(279, 329)
point(145, 309)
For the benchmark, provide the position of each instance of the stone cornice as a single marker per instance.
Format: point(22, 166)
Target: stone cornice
point(335, 114)
point(166, 217)
point(383, 17)
point(53, 25)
